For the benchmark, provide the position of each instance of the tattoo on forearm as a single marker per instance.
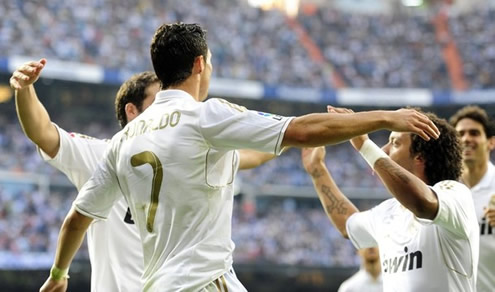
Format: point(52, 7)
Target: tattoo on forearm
point(316, 173)
point(395, 172)
point(333, 203)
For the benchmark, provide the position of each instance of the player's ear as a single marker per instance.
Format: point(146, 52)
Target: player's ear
point(199, 64)
point(418, 159)
point(131, 111)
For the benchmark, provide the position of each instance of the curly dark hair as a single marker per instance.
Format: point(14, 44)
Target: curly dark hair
point(477, 114)
point(174, 48)
point(443, 156)
point(133, 91)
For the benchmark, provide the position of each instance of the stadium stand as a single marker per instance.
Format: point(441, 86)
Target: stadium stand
point(397, 51)
point(366, 51)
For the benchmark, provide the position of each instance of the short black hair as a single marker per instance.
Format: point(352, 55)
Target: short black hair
point(133, 91)
point(174, 48)
point(477, 114)
point(442, 156)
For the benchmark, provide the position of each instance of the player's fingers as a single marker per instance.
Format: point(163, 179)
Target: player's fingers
point(419, 131)
point(34, 63)
point(431, 129)
point(339, 110)
point(14, 83)
point(27, 70)
point(491, 219)
point(20, 76)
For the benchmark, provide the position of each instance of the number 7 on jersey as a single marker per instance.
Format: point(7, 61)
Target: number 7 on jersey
point(148, 157)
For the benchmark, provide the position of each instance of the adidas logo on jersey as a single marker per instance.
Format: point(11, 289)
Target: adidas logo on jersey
point(407, 262)
point(485, 228)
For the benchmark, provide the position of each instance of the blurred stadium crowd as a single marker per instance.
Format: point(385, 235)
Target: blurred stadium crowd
point(400, 50)
point(396, 51)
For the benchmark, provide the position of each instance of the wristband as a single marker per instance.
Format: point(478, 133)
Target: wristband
point(59, 274)
point(371, 152)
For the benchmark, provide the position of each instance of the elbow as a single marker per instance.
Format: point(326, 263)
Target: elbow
point(297, 136)
point(426, 209)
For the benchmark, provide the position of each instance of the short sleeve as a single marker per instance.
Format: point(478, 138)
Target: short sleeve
point(99, 194)
point(77, 157)
point(456, 211)
point(361, 230)
point(229, 126)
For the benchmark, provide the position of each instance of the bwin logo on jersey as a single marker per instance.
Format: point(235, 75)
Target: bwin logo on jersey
point(275, 117)
point(407, 262)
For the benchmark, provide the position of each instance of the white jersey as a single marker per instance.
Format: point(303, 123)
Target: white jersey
point(420, 254)
point(482, 192)
point(175, 165)
point(362, 281)
point(114, 245)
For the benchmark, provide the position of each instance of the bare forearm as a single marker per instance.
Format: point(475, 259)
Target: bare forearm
point(337, 207)
point(70, 238)
point(252, 159)
point(324, 129)
point(35, 120)
point(408, 189)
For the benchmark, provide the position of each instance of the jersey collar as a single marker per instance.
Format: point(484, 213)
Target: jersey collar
point(166, 95)
point(487, 179)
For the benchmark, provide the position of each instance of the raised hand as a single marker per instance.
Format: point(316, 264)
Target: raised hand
point(26, 74)
point(410, 120)
point(312, 158)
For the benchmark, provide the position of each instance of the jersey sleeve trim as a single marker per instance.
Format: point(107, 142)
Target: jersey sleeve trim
point(43, 154)
point(88, 214)
point(278, 145)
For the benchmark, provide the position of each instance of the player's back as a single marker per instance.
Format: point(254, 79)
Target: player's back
point(179, 189)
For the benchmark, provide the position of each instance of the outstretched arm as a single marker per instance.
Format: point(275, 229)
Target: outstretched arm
point(324, 129)
point(70, 239)
point(32, 115)
point(337, 207)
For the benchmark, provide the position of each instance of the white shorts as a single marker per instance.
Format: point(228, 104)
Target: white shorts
point(228, 282)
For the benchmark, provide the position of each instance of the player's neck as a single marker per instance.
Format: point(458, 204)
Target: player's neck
point(190, 86)
point(473, 172)
point(373, 268)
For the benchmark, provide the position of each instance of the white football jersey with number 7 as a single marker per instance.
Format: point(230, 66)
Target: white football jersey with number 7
point(175, 165)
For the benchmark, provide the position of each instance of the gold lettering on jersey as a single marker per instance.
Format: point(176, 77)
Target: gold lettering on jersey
point(146, 126)
point(164, 121)
point(237, 107)
point(174, 119)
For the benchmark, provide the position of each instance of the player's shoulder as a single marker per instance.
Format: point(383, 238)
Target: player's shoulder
point(223, 104)
point(451, 186)
point(450, 190)
point(87, 137)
